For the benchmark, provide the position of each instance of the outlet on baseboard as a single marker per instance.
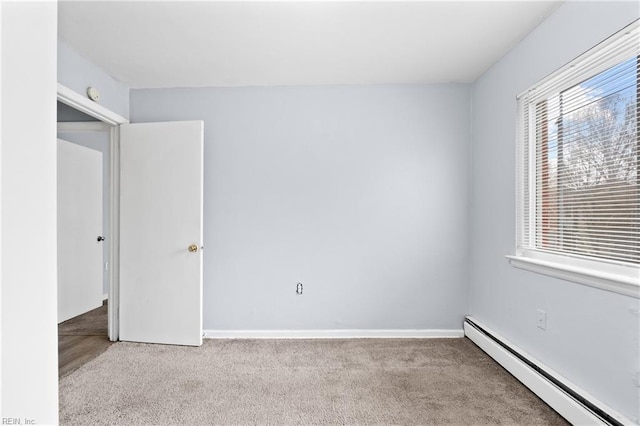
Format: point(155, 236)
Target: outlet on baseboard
point(542, 319)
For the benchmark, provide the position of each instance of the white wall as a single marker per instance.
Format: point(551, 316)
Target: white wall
point(359, 192)
point(28, 334)
point(592, 336)
point(78, 73)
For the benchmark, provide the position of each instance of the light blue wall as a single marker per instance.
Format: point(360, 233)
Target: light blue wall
point(67, 114)
point(592, 335)
point(78, 73)
point(359, 192)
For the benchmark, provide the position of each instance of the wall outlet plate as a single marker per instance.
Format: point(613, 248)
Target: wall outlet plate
point(542, 320)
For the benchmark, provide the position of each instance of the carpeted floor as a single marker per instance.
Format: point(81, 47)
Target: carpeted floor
point(281, 382)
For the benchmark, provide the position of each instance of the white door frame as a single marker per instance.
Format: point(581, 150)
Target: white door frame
point(110, 121)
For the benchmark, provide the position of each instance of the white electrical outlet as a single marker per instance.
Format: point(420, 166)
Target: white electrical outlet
point(542, 319)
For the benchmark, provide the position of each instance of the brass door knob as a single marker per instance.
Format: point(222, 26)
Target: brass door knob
point(193, 248)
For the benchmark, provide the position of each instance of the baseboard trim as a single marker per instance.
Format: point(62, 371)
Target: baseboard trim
point(571, 402)
point(331, 334)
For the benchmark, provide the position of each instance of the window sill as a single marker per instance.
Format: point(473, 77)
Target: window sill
point(628, 285)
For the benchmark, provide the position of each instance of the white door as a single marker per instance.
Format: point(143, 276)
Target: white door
point(79, 226)
point(161, 176)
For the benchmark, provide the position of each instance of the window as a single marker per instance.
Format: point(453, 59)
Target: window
point(578, 169)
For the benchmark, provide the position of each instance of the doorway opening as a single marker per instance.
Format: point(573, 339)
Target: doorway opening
point(88, 150)
point(83, 247)
point(155, 290)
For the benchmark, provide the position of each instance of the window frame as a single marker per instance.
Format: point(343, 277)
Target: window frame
point(611, 275)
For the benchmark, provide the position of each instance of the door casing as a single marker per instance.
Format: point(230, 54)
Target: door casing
point(112, 120)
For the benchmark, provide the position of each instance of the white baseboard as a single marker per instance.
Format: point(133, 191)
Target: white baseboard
point(331, 334)
point(562, 402)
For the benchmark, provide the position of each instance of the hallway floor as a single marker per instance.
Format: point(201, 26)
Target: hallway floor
point(81, 339)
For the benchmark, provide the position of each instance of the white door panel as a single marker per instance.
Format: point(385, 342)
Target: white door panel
point(79, 225)
point(161, 183)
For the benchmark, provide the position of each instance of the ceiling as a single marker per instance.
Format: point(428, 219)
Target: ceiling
point(265, 43)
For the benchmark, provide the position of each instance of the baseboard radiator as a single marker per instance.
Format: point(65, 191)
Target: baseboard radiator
point(572, 403)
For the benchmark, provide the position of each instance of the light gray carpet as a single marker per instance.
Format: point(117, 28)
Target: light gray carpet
point(281, 382)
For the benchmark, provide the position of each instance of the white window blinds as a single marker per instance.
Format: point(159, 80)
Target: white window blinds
point(579, 174)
